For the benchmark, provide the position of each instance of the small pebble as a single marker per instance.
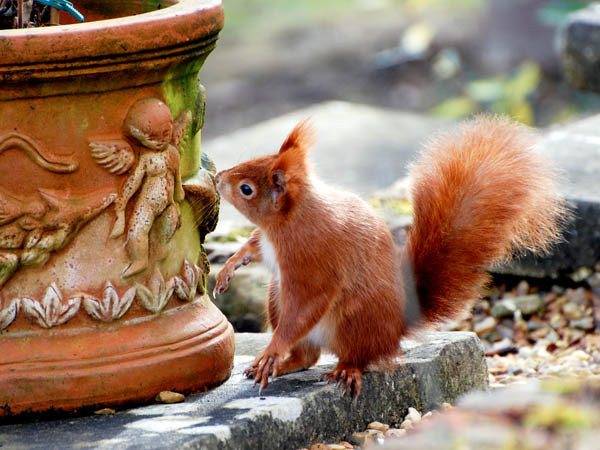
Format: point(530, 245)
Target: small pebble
point(320, 446)
point(395, 433)
point(529, 304)
point(427, 415)
point(558, 321)
point(169, 397)
point(580, 355)
point(447, 405)
point(573, 311)
point(105, 412)
point(503, 347)
point(485, 326)
point(503, 308)
point(378, 426)
point(407, 425)
point(540, 333)
point(413, 415)
point(585, 323)
point(505, 332)
point(522, 288)
point(336, 447)
point(346, 444)
point(581, 274)
point(363, 438)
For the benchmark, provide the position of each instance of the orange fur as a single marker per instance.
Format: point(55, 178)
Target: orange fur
point(338, 282)
point(480, 194)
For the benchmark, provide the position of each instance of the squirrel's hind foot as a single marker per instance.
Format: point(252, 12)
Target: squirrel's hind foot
point(347, 376)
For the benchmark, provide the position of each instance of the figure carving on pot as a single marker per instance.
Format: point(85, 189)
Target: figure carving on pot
point(155, 177)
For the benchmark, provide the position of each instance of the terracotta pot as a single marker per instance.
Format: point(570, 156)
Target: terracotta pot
point(104, 204)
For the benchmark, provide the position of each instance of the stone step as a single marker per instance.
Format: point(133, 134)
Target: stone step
point(294, 411)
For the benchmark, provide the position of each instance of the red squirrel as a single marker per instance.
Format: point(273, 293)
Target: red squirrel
point(480, 194)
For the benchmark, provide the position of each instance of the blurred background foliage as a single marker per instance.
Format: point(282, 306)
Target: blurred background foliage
point(449, 58)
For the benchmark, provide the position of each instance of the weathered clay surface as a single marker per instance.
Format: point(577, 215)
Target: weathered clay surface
point(295, 410)
point(89, 145)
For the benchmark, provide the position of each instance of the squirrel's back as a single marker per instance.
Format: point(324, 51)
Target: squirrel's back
point(480, 195)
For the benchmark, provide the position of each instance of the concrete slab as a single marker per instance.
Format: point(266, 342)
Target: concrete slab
point(294, 411)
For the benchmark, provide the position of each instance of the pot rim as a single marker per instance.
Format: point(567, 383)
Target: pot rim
point(184, 22)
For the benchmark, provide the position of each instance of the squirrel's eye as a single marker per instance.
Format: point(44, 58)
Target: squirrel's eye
point(246, 190)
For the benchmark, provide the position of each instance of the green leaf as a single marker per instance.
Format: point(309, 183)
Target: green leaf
point(455, 108)
point(486, 90)
point(522, 112)
point(525, 81)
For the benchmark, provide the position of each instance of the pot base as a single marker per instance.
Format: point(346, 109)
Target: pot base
point(186, 349)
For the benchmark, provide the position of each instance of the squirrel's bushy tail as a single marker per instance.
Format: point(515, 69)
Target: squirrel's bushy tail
point(480, 195)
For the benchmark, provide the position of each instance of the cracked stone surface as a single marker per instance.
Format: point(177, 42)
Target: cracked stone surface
point(294, 411)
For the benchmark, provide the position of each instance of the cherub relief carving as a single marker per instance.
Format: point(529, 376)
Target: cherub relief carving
point(151, 159)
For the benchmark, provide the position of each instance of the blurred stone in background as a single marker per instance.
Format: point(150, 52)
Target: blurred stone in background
point(449, 57)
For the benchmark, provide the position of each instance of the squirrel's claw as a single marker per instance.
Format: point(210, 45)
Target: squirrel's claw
point(218, 290)
point(222, 281)
point(264, 365)
point(350, 379)
point(265, 368)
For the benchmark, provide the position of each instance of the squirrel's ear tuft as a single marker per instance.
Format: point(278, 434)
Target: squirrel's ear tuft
point(291, 167)
point(301, 139)
point(292, 157)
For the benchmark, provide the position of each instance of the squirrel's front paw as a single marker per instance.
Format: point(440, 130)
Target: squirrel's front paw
point(222, 280)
